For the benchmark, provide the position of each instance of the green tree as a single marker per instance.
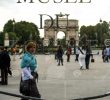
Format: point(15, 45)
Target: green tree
point(23, 30)
point(13, 38)
point(83, 35)
point(89, 31)
point(102, 30)
point(99, 32)
point(63, 42)
point(8, 27)
point(1, 38)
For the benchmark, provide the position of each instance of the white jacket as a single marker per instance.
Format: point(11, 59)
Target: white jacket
point(81, 58)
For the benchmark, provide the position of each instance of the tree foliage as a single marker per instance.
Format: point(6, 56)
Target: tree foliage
point(1, 38)
point(8, 27)
point(23, 30)
point(99, 32)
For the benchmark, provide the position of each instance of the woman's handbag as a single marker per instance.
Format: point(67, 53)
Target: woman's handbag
point(92, 60)
point(35, 75)
point(24, 87)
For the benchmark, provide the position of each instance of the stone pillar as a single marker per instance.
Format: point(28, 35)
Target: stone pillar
point(67, 38)
point(55, 38)
point(46, 42)
point(6, 40)
point(77, 38)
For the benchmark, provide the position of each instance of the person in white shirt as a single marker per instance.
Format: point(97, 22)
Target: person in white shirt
point(81, 58)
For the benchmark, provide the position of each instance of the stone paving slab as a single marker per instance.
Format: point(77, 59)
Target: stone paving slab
point(64, 82)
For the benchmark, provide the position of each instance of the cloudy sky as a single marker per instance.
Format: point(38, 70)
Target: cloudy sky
point(86, 13)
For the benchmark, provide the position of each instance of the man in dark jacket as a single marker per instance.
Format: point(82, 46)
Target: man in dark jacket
point(60, 55)
point(87, 58)
point(4, 65)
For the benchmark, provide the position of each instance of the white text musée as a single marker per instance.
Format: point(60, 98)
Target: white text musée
point(54, 1)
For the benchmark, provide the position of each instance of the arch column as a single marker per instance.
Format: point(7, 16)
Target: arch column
point(77, 38)
point(55, 43)
point(67, 38)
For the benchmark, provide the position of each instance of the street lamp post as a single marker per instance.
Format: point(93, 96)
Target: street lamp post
point(13, 24)
point(6, 40)
point(55, 41)
point(42, 45)
point(101, 31)
point(13, 39)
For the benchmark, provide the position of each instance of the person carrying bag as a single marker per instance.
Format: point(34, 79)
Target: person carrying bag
point(28, 85)
point(25, 87)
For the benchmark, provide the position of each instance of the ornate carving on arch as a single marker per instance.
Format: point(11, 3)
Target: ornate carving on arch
point(71, 31)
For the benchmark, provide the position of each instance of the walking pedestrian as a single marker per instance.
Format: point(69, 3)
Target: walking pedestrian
point(88, 55)
point(81, 57)
point(77, 54)
point(107, 53)
point(60, 55)
point(29, 70)
point(68, 53)
point(4, 65)
point(103, 53)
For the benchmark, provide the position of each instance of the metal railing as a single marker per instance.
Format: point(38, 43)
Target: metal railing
point(34, 98)
point(94, 97)
point(20, 96)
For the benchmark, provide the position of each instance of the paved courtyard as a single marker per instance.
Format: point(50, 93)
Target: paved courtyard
point(63, 82)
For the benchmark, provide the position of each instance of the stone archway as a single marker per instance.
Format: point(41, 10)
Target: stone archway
point(69, 27)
